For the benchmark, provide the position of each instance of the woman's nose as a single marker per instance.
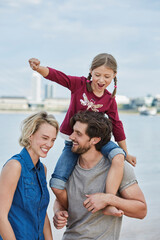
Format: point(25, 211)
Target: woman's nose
point(49, 144)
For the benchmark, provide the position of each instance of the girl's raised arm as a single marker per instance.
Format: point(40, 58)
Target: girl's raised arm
point(35, 65)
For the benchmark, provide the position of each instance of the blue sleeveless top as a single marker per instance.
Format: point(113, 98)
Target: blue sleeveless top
point(30, 201)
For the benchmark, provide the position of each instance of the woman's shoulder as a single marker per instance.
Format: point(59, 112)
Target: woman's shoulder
point(13, 165)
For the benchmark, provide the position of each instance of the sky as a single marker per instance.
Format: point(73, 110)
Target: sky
point(68, 34)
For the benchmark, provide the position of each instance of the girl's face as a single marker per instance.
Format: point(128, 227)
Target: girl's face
point(42, 141)
point(101, 78)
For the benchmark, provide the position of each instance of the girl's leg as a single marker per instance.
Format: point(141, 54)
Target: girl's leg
point(114, 176)
point(62, 171)
point(110, 150)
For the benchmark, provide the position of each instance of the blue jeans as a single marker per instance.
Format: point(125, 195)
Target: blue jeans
point(68, 160)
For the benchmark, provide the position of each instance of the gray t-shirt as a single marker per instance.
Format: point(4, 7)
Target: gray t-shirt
point(86, 225)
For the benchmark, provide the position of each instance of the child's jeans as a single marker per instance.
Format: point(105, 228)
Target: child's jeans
point(68, 160)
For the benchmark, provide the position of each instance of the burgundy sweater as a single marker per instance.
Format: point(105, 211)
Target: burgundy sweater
point(81, 99)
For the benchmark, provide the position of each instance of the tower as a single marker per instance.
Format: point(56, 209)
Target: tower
point(49, 91)
point(36, 88)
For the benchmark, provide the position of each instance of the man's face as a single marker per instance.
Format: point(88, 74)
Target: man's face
point(81, 142)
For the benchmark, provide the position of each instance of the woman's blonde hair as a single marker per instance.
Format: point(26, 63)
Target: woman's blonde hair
point(32, 123)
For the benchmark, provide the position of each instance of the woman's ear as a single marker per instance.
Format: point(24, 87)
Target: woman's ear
point(30, 138)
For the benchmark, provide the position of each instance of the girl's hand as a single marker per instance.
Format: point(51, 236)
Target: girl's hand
point(34, 63)
point(60, 219)
point(96, 201)
point(131, 159)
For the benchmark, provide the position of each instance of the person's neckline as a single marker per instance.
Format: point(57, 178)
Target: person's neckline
point(92, 167)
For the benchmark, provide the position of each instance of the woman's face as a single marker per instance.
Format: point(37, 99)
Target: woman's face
point(42, 141)
point(101, 78)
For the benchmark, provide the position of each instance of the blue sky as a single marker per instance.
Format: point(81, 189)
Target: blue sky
point(66, 35)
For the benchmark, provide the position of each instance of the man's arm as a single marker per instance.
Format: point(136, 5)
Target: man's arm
point(132, 202)
point(60, 215)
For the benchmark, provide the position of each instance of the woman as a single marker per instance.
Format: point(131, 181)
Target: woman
point(24, 196)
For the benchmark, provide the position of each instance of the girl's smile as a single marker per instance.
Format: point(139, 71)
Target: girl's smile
point(101, 78)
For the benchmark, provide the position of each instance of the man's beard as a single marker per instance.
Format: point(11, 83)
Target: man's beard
point(80, 150)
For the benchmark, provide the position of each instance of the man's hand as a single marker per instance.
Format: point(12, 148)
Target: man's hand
point(60, 219)
point(96, 201)
point(34, 63)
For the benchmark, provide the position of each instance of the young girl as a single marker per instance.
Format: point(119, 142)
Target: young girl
point(89, 94)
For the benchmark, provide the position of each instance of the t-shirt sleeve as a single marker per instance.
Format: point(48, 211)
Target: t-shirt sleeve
point(71, 82)
point(129, 177)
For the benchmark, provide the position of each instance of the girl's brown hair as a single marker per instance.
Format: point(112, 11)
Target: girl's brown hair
point(108, 61)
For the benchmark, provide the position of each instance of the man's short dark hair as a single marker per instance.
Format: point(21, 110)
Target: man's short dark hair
point(98, 126)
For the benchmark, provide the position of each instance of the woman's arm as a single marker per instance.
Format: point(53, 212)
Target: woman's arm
point(47, 226)
point(8, 182)
point(47, 229)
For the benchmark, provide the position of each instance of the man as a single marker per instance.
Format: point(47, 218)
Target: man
point(87, 201)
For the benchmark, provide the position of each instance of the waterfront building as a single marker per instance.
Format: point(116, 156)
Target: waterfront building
point(13, 103)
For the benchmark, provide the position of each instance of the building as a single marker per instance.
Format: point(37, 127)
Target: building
point(36, 88)
point(49, 91)
point(56, 104)
point(13, 103)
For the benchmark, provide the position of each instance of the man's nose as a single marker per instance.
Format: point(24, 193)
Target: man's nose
point(71, 136)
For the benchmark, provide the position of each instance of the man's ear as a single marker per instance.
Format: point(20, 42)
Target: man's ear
point(95, 140)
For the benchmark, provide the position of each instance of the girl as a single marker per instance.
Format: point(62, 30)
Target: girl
point(89, 94)
point(24, 196)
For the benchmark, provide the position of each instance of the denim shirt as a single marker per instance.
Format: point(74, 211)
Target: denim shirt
point(30, 201)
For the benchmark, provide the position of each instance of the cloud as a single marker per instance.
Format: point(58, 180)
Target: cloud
point(20, 3)
point(68, 34)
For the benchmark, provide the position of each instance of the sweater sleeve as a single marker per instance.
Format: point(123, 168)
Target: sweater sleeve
point(70, 82)
point(118, 130)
